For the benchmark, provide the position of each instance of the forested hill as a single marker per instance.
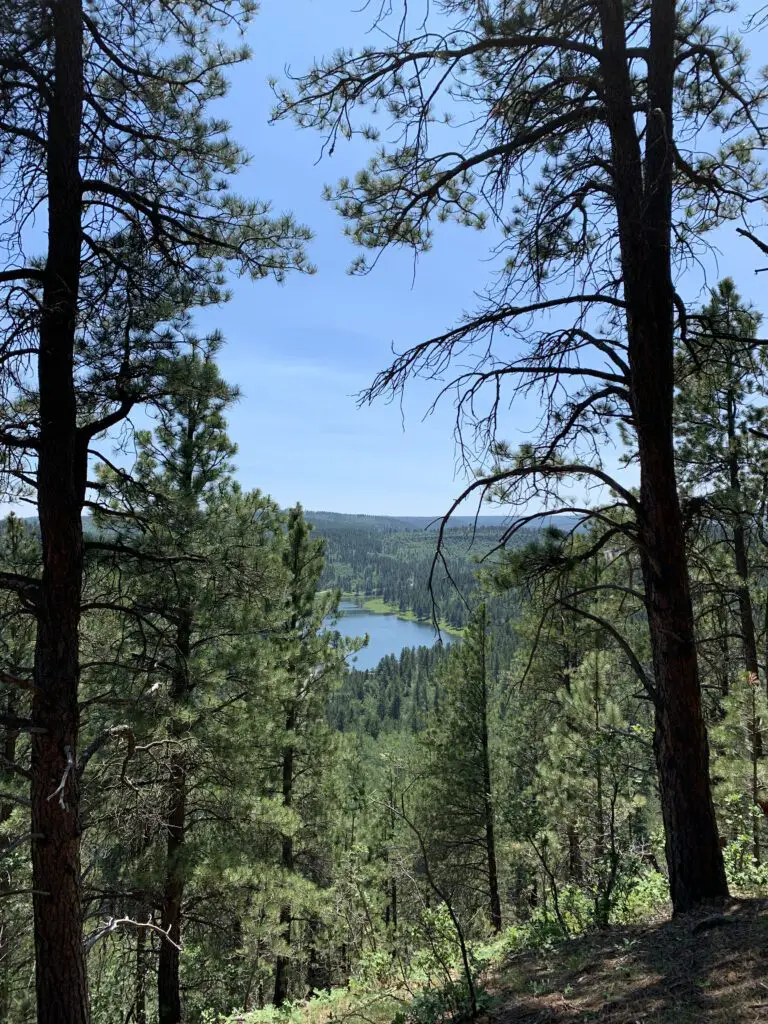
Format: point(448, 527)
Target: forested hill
point(392, 559)
point(326, 522)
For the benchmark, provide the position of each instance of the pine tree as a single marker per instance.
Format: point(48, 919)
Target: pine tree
point(740, 766)
point(105, 131)
point(586, 778)
point(462, 821)
point(577, 775)
point(199, 562)
point(720, 405)
point(311, 662)
point(19, 553)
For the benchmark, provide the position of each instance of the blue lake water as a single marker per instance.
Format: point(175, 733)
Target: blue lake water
point(387, 634)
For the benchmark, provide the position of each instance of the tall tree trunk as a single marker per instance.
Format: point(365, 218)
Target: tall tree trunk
point(140, 998)
point(60, 975)
point(170, 1009)
point(286, 860)
point(746, 612)
point(694, 857)
point(644, 201)
point(494, 907)
point(575, 863)
point(170, 1006)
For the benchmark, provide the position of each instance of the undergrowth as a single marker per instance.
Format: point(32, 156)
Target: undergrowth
point(430, 989)
point(425, 985)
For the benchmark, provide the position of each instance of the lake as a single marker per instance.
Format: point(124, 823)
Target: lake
point(387, 634)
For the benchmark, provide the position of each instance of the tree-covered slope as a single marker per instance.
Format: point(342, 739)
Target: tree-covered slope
point(399, 565)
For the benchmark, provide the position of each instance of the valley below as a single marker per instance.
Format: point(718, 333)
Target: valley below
point(388, 633)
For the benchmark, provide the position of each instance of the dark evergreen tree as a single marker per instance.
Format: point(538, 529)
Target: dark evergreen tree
point(720, 406)
point(19, 554)
point(105, 131)
point(740, 769)
point(311, 661)
point(461, 811)
point(198, 562)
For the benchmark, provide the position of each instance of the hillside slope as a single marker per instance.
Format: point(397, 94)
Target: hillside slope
point(325, 521)
point(697, 968)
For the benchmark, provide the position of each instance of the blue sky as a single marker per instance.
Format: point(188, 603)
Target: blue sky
point(302, 351)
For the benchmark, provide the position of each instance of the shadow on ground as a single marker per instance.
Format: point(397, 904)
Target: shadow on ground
point(698, 968)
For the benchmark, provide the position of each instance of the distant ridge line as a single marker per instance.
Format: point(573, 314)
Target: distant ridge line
point(346, 520)
point(398, 524)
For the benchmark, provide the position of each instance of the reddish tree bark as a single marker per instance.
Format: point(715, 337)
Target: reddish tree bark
point(643, 183)
point(60, 958)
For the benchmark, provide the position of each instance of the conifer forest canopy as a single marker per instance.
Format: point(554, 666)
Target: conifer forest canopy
point(208, 814)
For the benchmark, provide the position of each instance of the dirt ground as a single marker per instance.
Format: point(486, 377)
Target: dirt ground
point(711, 966)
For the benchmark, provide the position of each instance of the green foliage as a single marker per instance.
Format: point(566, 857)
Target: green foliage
point(395, 565)
point(451, 1002)
point(398, 694)
point(740, 767)
point(458, 791)
point(720, 403)
point(745, 874)
point(643, 895)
